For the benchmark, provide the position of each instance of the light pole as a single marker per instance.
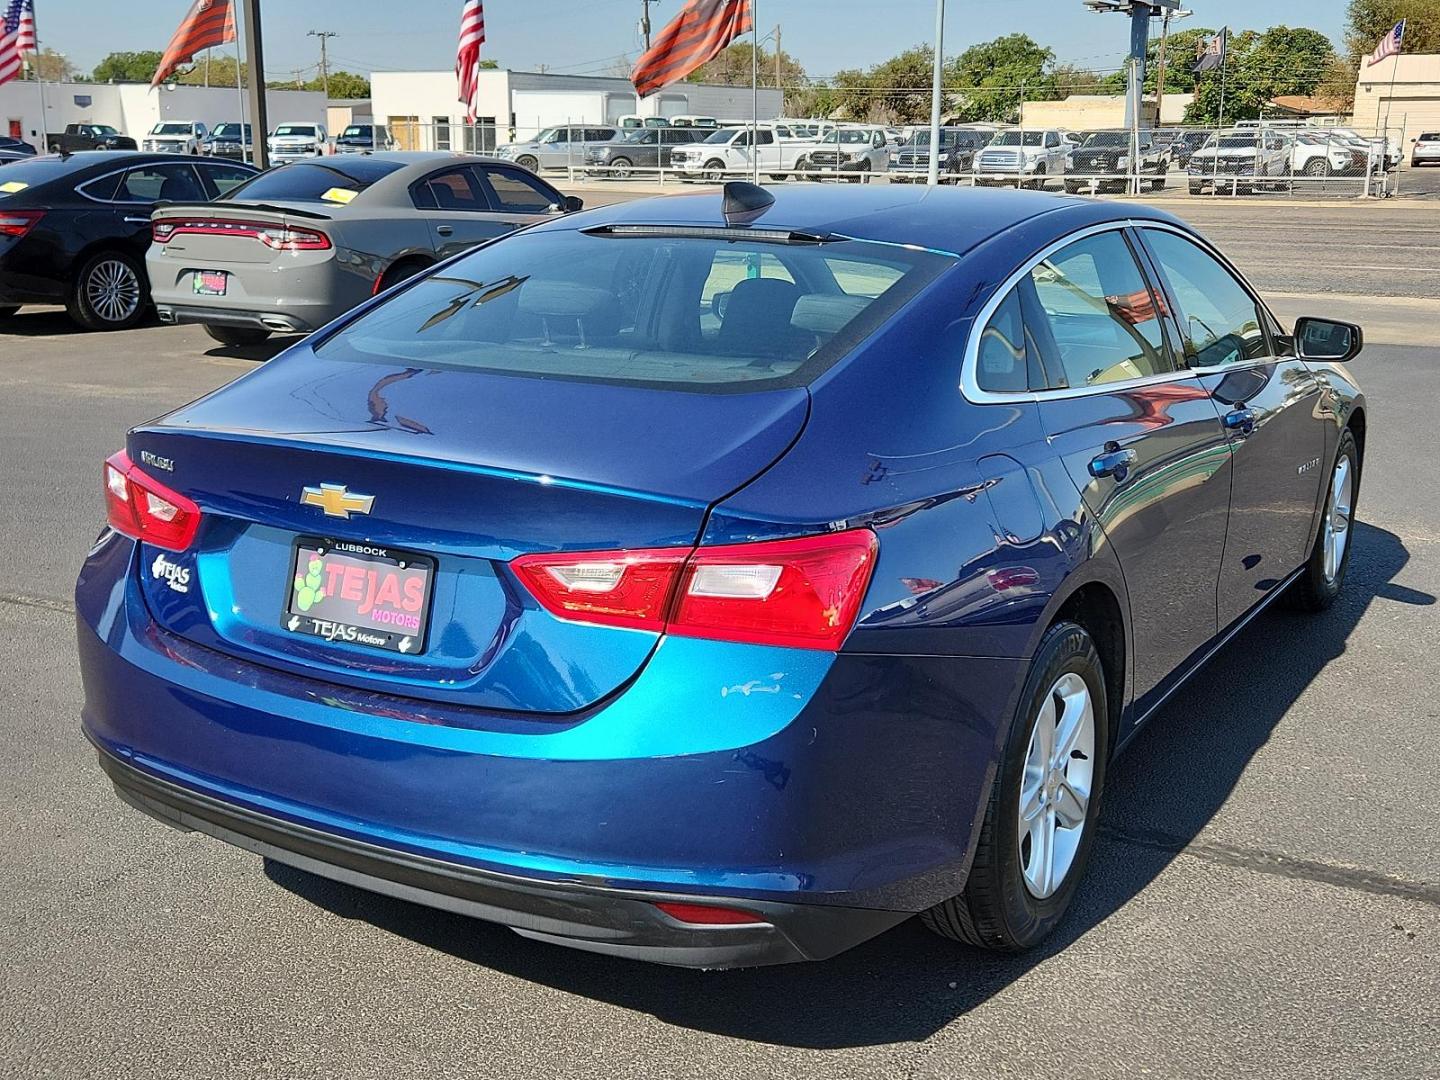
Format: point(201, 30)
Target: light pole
point(932, 177)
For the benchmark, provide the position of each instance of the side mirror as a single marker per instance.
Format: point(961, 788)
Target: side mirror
point(1327, 340)
point(571, 203)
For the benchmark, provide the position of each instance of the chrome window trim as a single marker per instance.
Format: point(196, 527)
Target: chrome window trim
point(969, 384)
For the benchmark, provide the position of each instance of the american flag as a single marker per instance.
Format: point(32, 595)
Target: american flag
point(207, 24)
point(1389, 44)
point(17, 37)
point(696, 35)
point(467, 56)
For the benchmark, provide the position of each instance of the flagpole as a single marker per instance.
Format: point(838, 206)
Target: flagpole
point(933, 175)
point(755, 90)
point(44, 147)
point(240, 88)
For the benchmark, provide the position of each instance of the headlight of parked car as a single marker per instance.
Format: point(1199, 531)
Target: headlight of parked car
point(1123, 161)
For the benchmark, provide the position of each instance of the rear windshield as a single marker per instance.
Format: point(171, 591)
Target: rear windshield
point(307, 130)
point(309, 181)
point(677, 312)
point(357, 129)
point(1430, 136)
point(22, 174)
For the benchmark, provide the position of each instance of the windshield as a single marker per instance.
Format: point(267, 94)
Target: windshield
point(362, 130)
point(170, 129)
point(309, 181)
point(724, 135)
point(307, 130)
point(229, 131)
point(551, 135)
point(1236, 142)
point(1107, 138)
point(689, 313)
point(847, 136)
point(1019, 138)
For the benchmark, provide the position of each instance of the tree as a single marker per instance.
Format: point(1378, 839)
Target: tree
point(894, 91)
point(343, 84)
point(995, 76)
point(50, 66)
point(210, 70)
point(732, 68)
point(127, 67)
point(1282, 60)
point(1370, 20)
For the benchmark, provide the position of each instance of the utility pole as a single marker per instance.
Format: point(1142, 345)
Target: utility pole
point(260, 123)
point(1179, 13)
point(324, 62)
point(645, 21)
point(778, 84)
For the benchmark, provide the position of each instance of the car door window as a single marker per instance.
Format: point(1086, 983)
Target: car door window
point(1008, 359)
point(151, 183)
point(222, 178)
point(515, 192)
point(452, 189)
point(1219, 320)
point(1100, 315)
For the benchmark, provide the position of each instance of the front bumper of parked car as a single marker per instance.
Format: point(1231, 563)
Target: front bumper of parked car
point(829, 812)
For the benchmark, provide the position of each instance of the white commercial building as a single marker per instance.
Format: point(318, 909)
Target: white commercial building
point(422, 111)
point(133, 108)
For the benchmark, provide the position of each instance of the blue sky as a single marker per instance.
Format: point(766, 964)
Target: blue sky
point(588, 36)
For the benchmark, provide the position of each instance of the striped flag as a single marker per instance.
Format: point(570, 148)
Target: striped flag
point(1210, 52)
point(696, 35)
point(467, 56)
point(208, 23)
point(10, 55)
point(1389, 44)
point(25, 42)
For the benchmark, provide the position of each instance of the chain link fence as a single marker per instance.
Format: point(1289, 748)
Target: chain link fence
point(1252, 158)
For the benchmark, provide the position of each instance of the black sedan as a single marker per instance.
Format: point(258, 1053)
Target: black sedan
point(1103, 162)
point(74, 228)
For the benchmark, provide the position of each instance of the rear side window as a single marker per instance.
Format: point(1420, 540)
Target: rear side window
point(312, 182)
point(224, 178)
point(686, 312)
point(452, 189)
point(1219, 319)
point(173, 183)
point(518, 193)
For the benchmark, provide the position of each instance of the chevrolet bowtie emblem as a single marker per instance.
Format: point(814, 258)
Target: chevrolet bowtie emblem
point(336, 501)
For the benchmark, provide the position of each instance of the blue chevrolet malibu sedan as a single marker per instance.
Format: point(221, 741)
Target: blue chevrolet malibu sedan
point(721, 579)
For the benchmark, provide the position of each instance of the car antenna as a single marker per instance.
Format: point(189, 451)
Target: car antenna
point(745, 200)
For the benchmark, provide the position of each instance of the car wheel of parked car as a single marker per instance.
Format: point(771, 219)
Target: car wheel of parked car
point(1196, 189)
point(620, 168)
point(714, 171)
point(1157, 184)
point(237, 335)
point(862, 176)
point(1318, 167)
point(1320, 582)
point(1039, 182)
point(1071, 188)
point(528, 161)
point(1041, 819)
point(110, 292)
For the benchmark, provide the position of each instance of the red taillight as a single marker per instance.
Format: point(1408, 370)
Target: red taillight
point(18, 222)
point(140, 506)
point(705, 915)
point(802, 593)
point(279, 237)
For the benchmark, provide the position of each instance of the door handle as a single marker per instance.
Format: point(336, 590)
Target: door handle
point(1113, 462)
point(1241, 420)
point(137, 221)
point(444, 230)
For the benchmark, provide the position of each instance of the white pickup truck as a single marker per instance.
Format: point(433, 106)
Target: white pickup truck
point(175, 137)
point(1021, 156)
point(728, 152)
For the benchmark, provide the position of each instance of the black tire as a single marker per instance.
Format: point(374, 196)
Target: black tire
point(1038, 184)
point(1314, 589)
point(528, 161)
point(1317, 167)
point(997, 909)
point(1196, 189)
point(1157, 184)
point(1071, 188)
point(237, 335)
point(110, 292)
point(620, 169)
point(779, 177)
point(713, 171)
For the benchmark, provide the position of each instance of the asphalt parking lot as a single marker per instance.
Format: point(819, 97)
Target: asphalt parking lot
point(1265, 899)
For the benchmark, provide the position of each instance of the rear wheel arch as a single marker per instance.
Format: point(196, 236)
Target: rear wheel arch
point(1095, 606)
point(402, 268)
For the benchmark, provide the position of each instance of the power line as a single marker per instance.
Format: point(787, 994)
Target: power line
point(324, 36)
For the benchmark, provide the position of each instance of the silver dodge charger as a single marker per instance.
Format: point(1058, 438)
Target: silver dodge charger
point(299, 245)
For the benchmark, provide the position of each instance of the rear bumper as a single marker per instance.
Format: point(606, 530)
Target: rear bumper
point(614, 921)
point(278, 322)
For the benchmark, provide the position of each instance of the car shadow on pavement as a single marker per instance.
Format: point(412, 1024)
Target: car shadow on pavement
point(265, 350)
point(40, 322)
point(908, 984)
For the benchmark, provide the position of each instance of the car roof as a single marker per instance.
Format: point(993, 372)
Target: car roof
point(948, 219)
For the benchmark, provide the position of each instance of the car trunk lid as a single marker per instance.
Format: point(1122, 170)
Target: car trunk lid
point(237, 232)
point(457, 471)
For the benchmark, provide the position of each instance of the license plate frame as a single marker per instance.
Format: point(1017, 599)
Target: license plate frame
point(209, 282)
point(337, 623)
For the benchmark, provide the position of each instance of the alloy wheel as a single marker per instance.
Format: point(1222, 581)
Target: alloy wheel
point(113, 290)
point(1055, 788)
point(1337, 516)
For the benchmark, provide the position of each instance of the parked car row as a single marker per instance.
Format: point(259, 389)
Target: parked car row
point(288, 141)
point(245, 253)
